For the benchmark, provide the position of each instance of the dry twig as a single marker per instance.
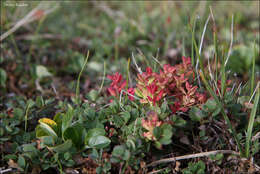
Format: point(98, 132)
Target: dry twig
point(38, 12)
point(197, 155)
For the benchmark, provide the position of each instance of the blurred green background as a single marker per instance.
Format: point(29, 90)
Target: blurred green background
point(51, 49)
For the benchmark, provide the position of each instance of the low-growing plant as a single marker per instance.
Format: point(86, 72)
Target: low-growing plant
point(130, 120)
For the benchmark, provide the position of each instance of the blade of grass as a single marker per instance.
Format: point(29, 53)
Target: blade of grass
point(103, 79)
point(199, 51)
point(223, 65)
point(192, 29)
point(128, 72)
point(216, 54)
point(141, 54)
point(137, 67)
point(78, 81)
point(116, 49)
point(26, 116)
point(183, 47)
point(251, 123)
point(156, 60)
point(215, 43)
point(223, 79)
point(231, 40)
point(253, 71)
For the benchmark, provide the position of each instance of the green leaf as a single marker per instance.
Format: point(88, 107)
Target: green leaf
point(211, 105)
point(126, 155)
point(30, 103)
point(157, 109)
point(91, 113)
point(93, 133)
point(75, 133)
point(251, 122)
point(166, 134)
point(21, 161)
point(94, 154)
point(166, 130)
point(40, 132)
point(99, 170)
point(70, 163)
point(158, 145)
point(67, 119)
point(219, 156)
point(178, 121)
point(126, 116)
point(10, 156)
point(42, 71)
point(18, 113)
point(118, 151)
point(58, 119)
point(164, 107)
point(165, 141)
point(130, 143)
point(47, 140)
point(216, 112)
point(62, 147)
point(163, 116)
point(157, 132)
point(3, 77)
point(118, 121)
point(67, 156)
point(93, 95)
point(39, 101)
point(29, 148)
point(115, 159)
point(99, 142)
point(106, 167)
point(196, 114)
point(43, 129)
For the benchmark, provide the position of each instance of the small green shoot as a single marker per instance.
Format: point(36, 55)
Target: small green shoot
point(251, 122)
point(78, 81)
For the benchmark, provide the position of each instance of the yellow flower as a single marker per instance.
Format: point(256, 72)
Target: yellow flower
point(48, 122)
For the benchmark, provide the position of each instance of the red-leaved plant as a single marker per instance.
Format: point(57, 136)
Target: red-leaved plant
point(171, 81)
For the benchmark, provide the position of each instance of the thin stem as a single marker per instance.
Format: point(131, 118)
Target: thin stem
point(215, 43)
point(128, 73)
point(192, 46)
point(137, 67)
point(26, 116)
point(253, 71)
point(197, 155)
point(251, 123)
point(183, 47)
point(201, 43)
point(78, 81)
point(116, 49)
point(103, 79)
point(231, 41)
point(60, 166)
